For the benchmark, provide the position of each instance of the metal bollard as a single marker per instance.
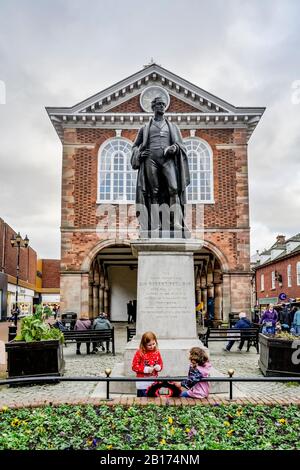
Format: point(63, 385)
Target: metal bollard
point(12, 332)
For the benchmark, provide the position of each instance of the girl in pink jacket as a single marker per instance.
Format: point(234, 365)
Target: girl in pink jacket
point(199, 368)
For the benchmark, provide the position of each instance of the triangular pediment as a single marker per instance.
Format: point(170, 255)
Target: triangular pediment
point(108, 99)
point(121, 103)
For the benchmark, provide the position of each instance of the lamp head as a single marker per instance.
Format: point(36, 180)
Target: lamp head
point(107, 372)
point(18, 238)
point(26, 241)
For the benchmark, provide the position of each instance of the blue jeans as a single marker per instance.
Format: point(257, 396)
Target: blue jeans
point(184, 394)
point(141, 393)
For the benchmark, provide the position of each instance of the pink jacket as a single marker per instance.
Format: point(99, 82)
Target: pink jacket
point(201, 389)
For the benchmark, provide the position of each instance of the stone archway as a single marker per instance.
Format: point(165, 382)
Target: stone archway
point(112, 279)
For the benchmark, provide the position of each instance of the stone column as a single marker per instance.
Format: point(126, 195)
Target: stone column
point(96, 294)
point(106, 296)
point(91, 293)
point(204, 298)
point(226, 296)
point(210, 290)
point(101, 292)
point(84, 313)
point(198, 295)
point(218, 301)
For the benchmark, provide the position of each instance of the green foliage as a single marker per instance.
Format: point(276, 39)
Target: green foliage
point(34, 328)
point(226, 427)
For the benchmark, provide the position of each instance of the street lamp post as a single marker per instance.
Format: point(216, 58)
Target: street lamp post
point(18, 242)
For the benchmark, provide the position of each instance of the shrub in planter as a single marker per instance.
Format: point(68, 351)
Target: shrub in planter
point(37, 350)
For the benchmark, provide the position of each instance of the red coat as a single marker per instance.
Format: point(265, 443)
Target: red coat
point(147, 359)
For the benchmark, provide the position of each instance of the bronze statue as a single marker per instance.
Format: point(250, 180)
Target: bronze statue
point(160, 157)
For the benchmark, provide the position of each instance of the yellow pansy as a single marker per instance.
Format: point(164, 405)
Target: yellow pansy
point(170, 420)
point(187, 430)
point(282, 421)
point(230, 432)
point(226, 423)
point(163, 441)
point(4, 408)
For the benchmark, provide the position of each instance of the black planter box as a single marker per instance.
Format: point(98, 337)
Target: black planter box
point(34, 358)
point(276, 357)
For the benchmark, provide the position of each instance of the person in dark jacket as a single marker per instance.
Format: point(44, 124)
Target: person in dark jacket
point(101, 323)
point(81, 325)
point(242, 323)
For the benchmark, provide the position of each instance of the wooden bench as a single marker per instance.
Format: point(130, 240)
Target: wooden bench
point(94, 336)
point(131, 331)
point(232, 334)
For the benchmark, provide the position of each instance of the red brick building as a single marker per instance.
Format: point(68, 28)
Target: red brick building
point(98, 270)
point(38, 279)
point(8, 272)
point(278, 271)
point(48, 281)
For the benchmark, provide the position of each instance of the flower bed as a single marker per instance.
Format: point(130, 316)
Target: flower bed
point(150, 427)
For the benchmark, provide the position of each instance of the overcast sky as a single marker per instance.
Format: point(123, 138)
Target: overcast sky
point(59, 52)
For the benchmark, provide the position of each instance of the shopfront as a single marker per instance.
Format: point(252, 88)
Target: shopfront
point(25, 299)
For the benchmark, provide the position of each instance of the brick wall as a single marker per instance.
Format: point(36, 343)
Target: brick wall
point(8, 256)
point(50, 273)
point(281, 268)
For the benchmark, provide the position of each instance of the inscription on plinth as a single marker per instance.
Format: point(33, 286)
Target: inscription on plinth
point(166, 298)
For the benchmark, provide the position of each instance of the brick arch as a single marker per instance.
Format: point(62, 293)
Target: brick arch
point(222, 259)
point(86, 264)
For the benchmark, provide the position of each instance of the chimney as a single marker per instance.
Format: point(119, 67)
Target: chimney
point(280, 239)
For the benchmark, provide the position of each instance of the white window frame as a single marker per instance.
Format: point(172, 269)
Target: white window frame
point(298, 273)
point(273, 280)
point(289, 275)
point(199, 171)
point(103, 150)
point(262, 282)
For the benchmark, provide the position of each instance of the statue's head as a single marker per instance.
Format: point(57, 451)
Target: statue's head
point(158, 100)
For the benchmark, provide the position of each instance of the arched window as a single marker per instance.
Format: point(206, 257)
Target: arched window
point(117, 179)
point(201, 171)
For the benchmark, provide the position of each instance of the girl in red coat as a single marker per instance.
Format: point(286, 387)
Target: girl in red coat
point(147, 362)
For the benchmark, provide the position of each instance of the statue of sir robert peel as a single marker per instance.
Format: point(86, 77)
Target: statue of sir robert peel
point(160, 157)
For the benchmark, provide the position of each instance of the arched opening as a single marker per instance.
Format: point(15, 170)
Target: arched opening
point(112, 282)
point(209, 286)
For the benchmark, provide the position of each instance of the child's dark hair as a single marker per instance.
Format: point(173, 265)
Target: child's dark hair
point(146, 338)
point(198, 355)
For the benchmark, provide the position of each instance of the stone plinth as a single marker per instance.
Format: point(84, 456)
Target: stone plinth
point(166, 300)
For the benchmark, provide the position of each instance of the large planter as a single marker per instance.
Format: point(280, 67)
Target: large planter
point(276, 357)
point(34, 358)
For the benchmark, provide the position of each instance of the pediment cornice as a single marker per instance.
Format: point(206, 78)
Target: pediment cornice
point(209, 109)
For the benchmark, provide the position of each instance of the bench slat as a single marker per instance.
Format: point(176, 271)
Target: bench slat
point(232, 334)
point(91, 336)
